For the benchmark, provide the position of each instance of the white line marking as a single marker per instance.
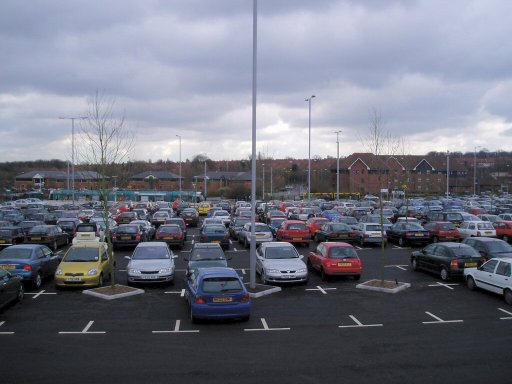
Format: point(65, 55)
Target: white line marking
point(5, 333)
point(507, 312)
point(359, 324)
point(181, 293)
point(177, 329)
point(37, 294)
point(266, 328)
point(84, 331)
point(446, 285)
point(439, 320)
point(319, 288)
point(402, 267)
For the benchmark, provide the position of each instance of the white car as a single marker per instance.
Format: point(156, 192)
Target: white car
point(494, 276)
point(262, 232)
point(370, 233)
point(477, 229)
point(223, 215)
point(88, 232)
point(280, 262)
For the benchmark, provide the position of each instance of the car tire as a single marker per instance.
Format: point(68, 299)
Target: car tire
point(357, 277)
point(361, 242)
point(309, 265)
point(470, 282)
point(414, 264)
point(435, 239)
point(100, 280)
point(20, 294)
point(246, 243)
point(445, 276)
point(263, 277)
point(507, 295)
point(54, 245)
point(401, 242)
point(323, 275)
point(38, 281)
point(245, 319)
point(506, 238)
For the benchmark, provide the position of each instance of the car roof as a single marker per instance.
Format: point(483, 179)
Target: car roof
point(484, 239)
point(146, 244)
point(217, 272)
point(89, 244)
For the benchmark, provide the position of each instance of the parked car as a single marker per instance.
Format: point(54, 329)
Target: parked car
point(335, 259)
point(275, 224)
point(349, 220)
point(376, 219)
point(408, 233)
point(126, 217)
point(68, 225)
point(453, 217)
point(294, 231)
point(217, 293)
point(203, 208)
point(442, 231)
point(494, 276)
point(236, 225)
point(33, 262)
point(151, 262)
point(159, 218)
point(447, 259)
point(128, 235)
point(179, 221)
point(262, 233)
point(315, 223)
point(11, 236)
point(223, 215)
point(84, 265)
point(504, 230)
point(476, 228)
point(172, 234)
point(279, 262)
point(88, 232)
point(215, 233)
point(336, 232)
point(191, 216)
point(489, 247)
point(149, 229)
point(370, 233)
point(12, 288)
point(205, 255)
point(50, 235)
point(505, 216)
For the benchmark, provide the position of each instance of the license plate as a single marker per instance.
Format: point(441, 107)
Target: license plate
point(344, 264)
point(289, 276)
point(222, 299)
point(449, 237)
point(71, 279)
point(470, 264)
point(8, 266)
point(297, 238)
point(2, 241)
point(342, 236)
point(419, 234)
point(215, 241)
point(126, 238)
point(149, 277)
point(168, 237)
point(35, 238)
point(488, 233)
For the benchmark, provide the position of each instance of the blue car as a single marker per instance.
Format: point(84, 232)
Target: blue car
point(331, 214)
point(33, 262)
point(217, 293)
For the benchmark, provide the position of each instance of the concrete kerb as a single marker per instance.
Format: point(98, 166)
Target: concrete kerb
point(261, 290)
point(388, 287)
point(107, 293)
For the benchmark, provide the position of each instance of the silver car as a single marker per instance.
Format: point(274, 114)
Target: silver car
point(279, 262)
point(262, 232)
point(151, 262)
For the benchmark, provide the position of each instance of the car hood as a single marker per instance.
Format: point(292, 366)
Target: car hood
point(151, 264)
point(501, 254)
point(78, 266)
point(282, 264)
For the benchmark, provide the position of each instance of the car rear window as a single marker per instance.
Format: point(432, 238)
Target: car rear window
point(446, 227)
point(15, 253)
point(465, 252)
point(127, 230)
point(342, 253)
point(221, 284)
point(373, 227)
point(297, 227)
point(169, 229)
point(86, 228)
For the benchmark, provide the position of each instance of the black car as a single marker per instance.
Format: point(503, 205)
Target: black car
point(11, 236)
point(128, 235)
point(205, 255)
point(408, 233)
point(51, 235)
point(236, 225)
point(489, 247)
point(336, 232)
point(446, 259)
point(191, 217)
point(12, 288)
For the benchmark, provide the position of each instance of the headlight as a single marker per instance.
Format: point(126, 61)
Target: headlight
point(134, 271)
point(166, 270)
point(303, 270)
point(59, 272)
point(93, 271)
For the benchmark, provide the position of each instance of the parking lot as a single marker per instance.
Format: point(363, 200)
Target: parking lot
point(320, 332)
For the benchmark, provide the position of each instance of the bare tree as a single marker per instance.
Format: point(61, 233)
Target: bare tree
point(104, 142)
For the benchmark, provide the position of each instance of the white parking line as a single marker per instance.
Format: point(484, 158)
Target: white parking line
point(37, 294)
point(181, 293)
point(446, 285)
point(403, 267)
point(84, 331)
point(358, 324)
point(439, 320)
point(5, 333)
point(507, 312)
point(177, 329)
point(266, 328)
point(319, 288)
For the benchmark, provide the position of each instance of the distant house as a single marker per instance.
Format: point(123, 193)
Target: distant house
point(56, 179)
point(156, 180)
point(218, 179)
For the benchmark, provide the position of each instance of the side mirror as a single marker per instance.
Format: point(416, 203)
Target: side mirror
point(127, 257)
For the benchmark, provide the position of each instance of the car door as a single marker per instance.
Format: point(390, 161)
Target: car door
point(317, 256)
point(425, 257)
point(259, 259)
point(8, 287)
point(502, 276)
point(105, 262)
point(484, 276)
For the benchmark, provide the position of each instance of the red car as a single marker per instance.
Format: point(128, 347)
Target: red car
point(442, 231)
point(504, 230)
point(172, 234)
point(335, 259)
point(294, 231)
point(315, 223)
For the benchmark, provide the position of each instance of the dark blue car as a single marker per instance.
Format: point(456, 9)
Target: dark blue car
point(217, 293)
point(33, 262)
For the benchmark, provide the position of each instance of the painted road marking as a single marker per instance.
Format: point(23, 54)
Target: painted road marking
point(319, 288)
point(177, 329)
point(37, 294)
point(181, 293)
point(266, 328)
point(446, 285)
point(439, 320)
point(358, 324)
point(507, 312)
point(84, 331)
point(5, 333)
point(402, 266)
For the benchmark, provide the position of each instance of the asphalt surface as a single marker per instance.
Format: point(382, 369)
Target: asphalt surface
point(325, 332)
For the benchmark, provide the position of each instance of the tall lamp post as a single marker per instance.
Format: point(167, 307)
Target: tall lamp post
point(447, 174)
point(73, 151)
point(309, 146)
point(337, 165)
point(474, 172)
point(263, 184)
point(179, 137)
point(205, 181)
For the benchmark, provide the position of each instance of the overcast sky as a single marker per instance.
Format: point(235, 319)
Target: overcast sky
point(439, 72)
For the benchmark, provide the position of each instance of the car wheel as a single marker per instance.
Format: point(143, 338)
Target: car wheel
point(470, 282)
point(245, 319)
point(309, 265)
point(323, 275)
point(263, 277)
point(435, 239)
point(54, 245)
point(67, 240)
point(100, 280)
point(508, 296)
point(20, 294)
point(414, 264)
point(506, 238)
point(246, 243)
point(401, 242)
point(361, 242)
point(38, 281)
point(357, 277)
point(444, 274)
point(193, 319)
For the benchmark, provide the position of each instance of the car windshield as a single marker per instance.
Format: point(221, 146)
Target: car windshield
point(446, 227)
point(297, 227)
point(214, 228)
point(281, 253)
point(38, 230)
point(15, 253)
point(145, 253)
point(129, 230)
point(342, 253)
point(82, 254)
point(499, 247)
point(261, 228)
point(221, 284)
point(465, 252)
point(373, 227)
point(485, 225)
point(413, 227)
point(207, 254)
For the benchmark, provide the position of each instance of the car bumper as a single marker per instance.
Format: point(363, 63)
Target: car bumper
point(84, 281)
point(150, 279)
point(302, 278)
point(209, 311)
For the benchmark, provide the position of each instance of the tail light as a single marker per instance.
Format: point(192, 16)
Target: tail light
point(245, 299)
point(137, 237)
point(200, 300)
point(408, 234)
point(478, 233)
point(454, 264)
point(27, 267)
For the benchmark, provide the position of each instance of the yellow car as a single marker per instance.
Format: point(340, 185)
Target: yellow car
point(84, 265)
point(204, 208)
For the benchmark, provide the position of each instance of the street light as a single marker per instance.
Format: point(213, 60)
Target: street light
point(179, 137)
point(337, 165)
point(73, 151)
point(263, 184)
point(205, 181)
point(474, 171)
point(447, 173)
point(309, 147)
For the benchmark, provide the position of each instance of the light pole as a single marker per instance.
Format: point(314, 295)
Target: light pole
point(263, 184)
point(474, 172)
point(205, 181)
point(115, 188)
point(73, 151)
point(309, 147)
point(447, 173)
point(179, 137)
point(337, 165)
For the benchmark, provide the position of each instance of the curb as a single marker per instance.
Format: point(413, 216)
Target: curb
point(367, 285)
point(263, 290)
point(91, 292)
